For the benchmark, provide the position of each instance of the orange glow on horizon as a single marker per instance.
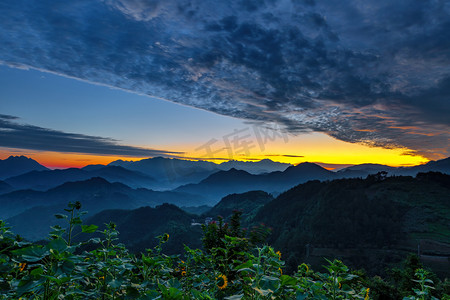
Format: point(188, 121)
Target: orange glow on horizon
point(322, 149)
point(316, 147)
point(56, 160)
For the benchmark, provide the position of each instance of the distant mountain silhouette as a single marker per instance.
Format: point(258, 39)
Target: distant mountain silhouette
point(442, 166)
point(254, 167)
point(175, 172)
point(363, 170)
point(43, 180)
point(93, 167)
point(248, 203)
point(130, 178)
point(5, 188)
point(298, 174)
point(230, 177)
point(223, 183)
point(16, 165)
point(95, 194)
point(170, 172)
point(34, 224)
point(139, 227)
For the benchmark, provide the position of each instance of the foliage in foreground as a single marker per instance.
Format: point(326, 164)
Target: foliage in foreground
point(232, 267)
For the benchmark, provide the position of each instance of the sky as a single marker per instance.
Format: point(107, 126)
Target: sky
point(334, 82)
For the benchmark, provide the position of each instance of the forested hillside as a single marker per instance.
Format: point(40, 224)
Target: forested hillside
point(374, 220)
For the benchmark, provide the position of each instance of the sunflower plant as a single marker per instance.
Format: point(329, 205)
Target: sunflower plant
point(230, 267)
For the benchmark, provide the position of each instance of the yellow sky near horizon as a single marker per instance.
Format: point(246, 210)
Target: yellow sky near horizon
point(314, 147)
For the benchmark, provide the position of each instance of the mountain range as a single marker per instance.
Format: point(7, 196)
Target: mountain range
point(363, 170)
point(26, 197)
point(372, 222)
point(20, 172)
point(44, 180)
point(172, 172)
point(21, 208)
point(222, 183)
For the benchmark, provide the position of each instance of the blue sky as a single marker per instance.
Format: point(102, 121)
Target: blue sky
point(65, 104)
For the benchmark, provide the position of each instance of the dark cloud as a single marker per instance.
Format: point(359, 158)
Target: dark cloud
point(363, 72)
point(8, 117)
point(23, 136)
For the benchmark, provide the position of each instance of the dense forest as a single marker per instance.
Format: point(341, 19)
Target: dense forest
point(371, 222)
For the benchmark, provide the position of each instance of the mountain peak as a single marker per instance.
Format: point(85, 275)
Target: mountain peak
point(308, 170)
point(11, 157)
point(443, 161)
point(306, 165)
point(254, 167)
point(20, 158)
point(17, 165)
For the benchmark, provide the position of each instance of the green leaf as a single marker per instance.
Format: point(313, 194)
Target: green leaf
point(29, 285)
point(151, 295)
point(288, 280)
point(247, 264)
point(59, 245)
point(301, 296)
point(95, 240)
point(247, 270)
point(262, 292)
point(269, 283)
point(350, 276)
point(132, 292)
point(61, 216)
point(115, 283)
point(31, 254)
point(174, 293)
point(89, 228)
point(77, 221)
point(175, 283)
point(235, 297)
point(67, 266)
point(37, 272)
point(54, 279)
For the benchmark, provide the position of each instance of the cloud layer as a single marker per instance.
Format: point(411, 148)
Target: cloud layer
point(23, 136)
point(373, 72)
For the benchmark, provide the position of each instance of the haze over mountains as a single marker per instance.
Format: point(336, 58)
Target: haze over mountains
point(96, 194)
point(43, 180)
point(223, 183)
point(163, 173)
point(172, 173)
point(32, 189)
